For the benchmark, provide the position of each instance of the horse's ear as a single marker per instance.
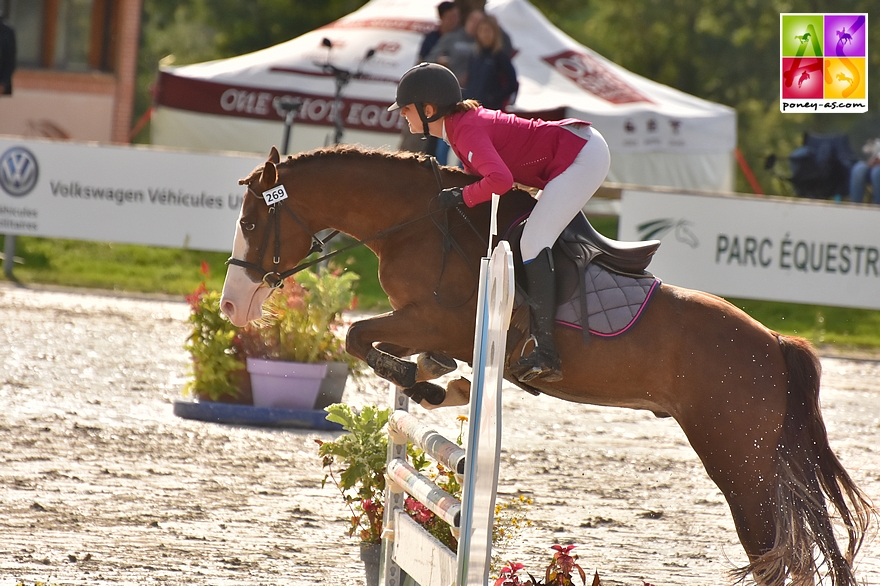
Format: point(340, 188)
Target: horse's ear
point(274, 156)
point(270, 174)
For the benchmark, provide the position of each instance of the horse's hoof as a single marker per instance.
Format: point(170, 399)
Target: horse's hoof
point(430, 393)
point(434, 365)
point(458, 392)
point(391, 368)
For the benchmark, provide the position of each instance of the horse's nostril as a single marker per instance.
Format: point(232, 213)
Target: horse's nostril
point(227, 307)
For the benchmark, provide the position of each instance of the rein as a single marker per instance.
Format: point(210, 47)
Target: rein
point(450, 242)
point(275, 279)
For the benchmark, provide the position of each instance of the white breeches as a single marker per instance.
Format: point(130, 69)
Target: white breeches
point(566, 194)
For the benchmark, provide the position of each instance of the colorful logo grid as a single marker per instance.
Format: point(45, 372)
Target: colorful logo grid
point(823, 62)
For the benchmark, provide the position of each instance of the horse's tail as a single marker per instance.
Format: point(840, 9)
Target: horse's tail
point(808, 473)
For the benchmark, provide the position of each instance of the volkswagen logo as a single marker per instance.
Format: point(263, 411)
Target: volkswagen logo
point(18, 171)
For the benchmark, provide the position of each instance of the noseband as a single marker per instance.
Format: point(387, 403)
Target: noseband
point(274, 279)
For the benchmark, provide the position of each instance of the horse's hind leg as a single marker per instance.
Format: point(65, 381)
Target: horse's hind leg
point(736, 437)
point(752, 508)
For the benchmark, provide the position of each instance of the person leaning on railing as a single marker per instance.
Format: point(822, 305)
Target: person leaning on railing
point(866, 171)
point(7, 56)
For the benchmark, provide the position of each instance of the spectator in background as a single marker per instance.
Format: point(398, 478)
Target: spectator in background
point(864, 171)
point(455, 49)
point(491, 76)
point(7, 57)
point(449, 21)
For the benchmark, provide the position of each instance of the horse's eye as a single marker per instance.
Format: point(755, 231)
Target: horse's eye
point(247, 226)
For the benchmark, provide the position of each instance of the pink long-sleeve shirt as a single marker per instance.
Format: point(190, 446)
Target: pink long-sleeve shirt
point(503, 148)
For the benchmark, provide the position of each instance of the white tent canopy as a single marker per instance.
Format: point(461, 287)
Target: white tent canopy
point(658, 135)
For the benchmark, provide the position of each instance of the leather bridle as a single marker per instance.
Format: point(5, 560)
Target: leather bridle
point(275, 279)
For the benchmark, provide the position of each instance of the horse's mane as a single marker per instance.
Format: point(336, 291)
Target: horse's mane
point(353, 151)
point(350, 150)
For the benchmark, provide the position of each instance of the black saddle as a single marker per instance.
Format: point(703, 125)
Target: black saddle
point(621, 257)
point(579, 245)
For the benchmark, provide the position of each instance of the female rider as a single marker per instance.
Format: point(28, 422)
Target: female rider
point(566, 159)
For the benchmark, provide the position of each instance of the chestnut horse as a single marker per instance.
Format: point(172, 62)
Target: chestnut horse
point(746, 397)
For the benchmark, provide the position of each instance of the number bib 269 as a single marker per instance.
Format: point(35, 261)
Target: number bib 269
point(274, 195)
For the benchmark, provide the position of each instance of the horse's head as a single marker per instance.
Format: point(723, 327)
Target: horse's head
point(262, 249)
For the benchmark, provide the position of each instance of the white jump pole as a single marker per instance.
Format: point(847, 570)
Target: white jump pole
point(413, 550)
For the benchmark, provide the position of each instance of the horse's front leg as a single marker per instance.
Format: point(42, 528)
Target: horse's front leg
point(381, 340)
point(434, 365)
point(431, 365)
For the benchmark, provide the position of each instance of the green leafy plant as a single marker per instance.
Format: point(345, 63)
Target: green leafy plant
point(211, 344)
point(361, 455)
point(302, 323)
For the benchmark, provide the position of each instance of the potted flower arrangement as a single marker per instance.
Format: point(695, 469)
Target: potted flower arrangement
point(362, 453)
point(217, 365)
point(301, 324)
point(361, 456)
point(295, 353)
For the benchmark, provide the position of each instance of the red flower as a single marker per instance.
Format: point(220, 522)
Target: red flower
point(418, 511)
point(508, 575)
point(205, 270)
point(196, 296)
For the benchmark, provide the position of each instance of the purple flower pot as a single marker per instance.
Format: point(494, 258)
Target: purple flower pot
point(296, 385)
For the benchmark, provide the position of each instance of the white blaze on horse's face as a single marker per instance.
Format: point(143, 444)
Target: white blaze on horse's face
point(242, 299)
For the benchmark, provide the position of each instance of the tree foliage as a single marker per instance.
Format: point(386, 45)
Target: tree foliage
point(180, 32)
point(725, 51)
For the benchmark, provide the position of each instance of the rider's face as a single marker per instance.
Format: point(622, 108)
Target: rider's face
point(412, 118)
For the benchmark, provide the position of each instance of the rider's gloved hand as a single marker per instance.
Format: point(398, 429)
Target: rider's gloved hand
point(451, 197)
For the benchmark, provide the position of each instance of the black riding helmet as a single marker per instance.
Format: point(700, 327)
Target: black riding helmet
point(428, 83)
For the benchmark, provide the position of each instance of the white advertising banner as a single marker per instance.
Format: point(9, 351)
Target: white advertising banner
point(760, 248)
point(136, 195)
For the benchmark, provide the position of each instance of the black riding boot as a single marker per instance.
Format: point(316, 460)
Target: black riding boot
point(543, 362)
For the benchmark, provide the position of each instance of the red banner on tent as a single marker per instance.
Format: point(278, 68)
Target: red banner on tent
point(209, 97)
point(591, 75)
